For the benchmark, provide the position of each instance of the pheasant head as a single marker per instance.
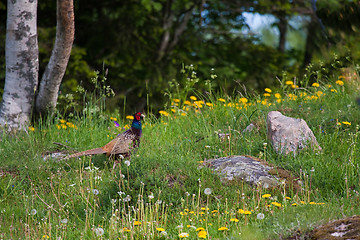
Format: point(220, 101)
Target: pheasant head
point(137, 120)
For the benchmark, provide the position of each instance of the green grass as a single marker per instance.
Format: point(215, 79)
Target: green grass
point(164, 185)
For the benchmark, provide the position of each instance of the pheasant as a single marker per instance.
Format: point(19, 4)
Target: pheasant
point(122, 145)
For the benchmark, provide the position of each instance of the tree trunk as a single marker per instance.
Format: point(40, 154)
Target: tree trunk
point(282, 32)
point(22, 64)
point(55, 70)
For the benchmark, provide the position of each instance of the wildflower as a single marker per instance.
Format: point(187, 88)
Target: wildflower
point(266, 195)
point(315, 84)
point(99, 231)
point(187, 102)
point(164, 113)
point(176, 100)
point(294, 204)
point(193, 98)
point(64, 221)
point(95, 191)
point(268, 90)
point(214, 211)
point(247, 212)
point(62, 121)
point(294, 86)
point(202, 234)
point(209, 104)
point(183, 235)
point(346, 123)
point(130, 117)
point(221, 100)
point(127, 163)
point(200, 229)
point(151, 196)
point(125, 229)
point(137, 223)
point(46, 236)
point(33, 211)
point(267, 95)
point(113, 119)
point(312, 203)
point(277, 95)
point(243, 100)
point(276, 204)
point(260, 216)
point(160, 229)
point(223, 229)
point(164, 234)
point(207, 191)
point(289, 82)
point(173, 110)
point(31, 128)
point(234, 220)
point(287, 198)
point(319, 93)
point(340, 83)
point(241, 211)
point(333, 90)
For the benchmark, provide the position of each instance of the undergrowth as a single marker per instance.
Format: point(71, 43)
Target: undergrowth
point(166, 190)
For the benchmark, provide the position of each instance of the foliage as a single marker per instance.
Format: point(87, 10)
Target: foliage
point(166, 190)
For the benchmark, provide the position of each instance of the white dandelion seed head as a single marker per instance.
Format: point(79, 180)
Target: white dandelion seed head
point(99, 231)
point(159, 202)
point(127, 198)
point(260, 216)
point(266, 185)
point(95, 191)
point(33, 211)
point(151, 196)
point(64, 221)
point(163, 233)
point(207, 191)
point(127, 163)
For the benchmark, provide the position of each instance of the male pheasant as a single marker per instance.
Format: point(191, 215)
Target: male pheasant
point(122, 145)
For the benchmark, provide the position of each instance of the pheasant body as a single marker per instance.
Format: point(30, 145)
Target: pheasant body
point(123, 144)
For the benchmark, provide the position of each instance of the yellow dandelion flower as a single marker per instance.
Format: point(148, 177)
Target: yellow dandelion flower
point(268, 90)
point(164, 113)
point(187, 102)
point(200, 229)
point(267, 95)
point(329, 85)
point(214, 211)
point(320, 203)
point(340, 83)
point(243, 100)
point(247, 212)
point(287, 198)
point(193, 98)
point(63, 126)
point(32, 129)
point(62, 121)
point(130, 117)
point(241, 211)
point(160, 229)
point(113, 119)
point(183, 235)
point(137, 223)
point(315, 84)
point(223, 229)
point(333, 90)
point(266, 195)
point(341, 77)
point(302, 202)
point(234, 220)
point(319, 93)
point(277, 95)
point(346, 123)
point(294, 204)
point(202, 234)
point(209, 104)
point(221, 100)
point(201, 213)
point(276, 204)
point(278, 100)
point(312, 203)
point(176, 100)
point(173, 110)
point(294, 86)
point(289, 83)
point(58, 126)
point(125, 229)
point(183, 114)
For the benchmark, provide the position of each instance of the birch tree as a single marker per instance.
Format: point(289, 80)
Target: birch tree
point(22, 62)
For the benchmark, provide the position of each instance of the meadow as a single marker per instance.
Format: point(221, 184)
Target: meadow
point(165, 191)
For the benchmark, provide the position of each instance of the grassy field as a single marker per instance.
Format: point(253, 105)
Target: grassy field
point(164, 191)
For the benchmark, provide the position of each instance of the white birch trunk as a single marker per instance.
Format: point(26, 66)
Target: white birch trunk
point(22, 65)
point(55, 70)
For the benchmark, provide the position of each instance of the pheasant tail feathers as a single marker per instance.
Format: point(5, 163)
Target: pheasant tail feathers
point(87, 152)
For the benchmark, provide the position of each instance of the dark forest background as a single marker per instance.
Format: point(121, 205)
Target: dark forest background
point(142, 45)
